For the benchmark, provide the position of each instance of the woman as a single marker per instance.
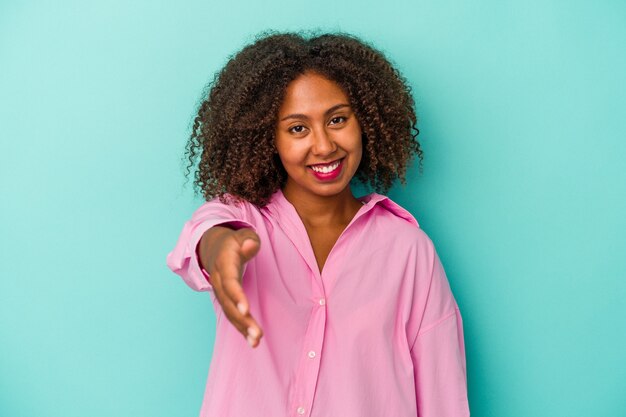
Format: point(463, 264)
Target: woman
point(348, 294)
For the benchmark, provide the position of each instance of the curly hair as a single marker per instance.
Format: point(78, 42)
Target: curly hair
point(234, 129)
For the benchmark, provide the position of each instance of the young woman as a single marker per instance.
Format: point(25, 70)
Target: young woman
point(343, 301)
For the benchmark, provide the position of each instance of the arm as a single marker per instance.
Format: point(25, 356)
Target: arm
point(439, 369)
point(438, 349)
point(184, 259)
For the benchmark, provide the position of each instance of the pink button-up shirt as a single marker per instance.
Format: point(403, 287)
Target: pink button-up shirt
point(376, 333)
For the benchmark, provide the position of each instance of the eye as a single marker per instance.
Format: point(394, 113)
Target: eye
point(296, 129)
point(337, 119)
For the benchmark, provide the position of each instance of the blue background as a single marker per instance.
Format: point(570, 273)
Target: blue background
point(521, 106)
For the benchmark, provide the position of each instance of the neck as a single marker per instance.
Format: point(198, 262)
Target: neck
point(323, 211)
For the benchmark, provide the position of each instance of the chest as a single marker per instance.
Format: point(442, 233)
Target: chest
point(322, 242)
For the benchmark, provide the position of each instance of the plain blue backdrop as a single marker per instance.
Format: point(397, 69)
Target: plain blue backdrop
point(521, 107)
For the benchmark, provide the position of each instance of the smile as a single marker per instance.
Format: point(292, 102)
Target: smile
point(325, 169)
point(327, 172)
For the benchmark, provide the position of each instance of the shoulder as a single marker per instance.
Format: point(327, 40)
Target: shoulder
point(228, 206)
point(396, 222)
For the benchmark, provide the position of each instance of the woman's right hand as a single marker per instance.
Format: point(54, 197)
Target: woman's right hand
point(223, 252)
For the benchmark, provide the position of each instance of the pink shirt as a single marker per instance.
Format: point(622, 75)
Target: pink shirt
point(377, 333)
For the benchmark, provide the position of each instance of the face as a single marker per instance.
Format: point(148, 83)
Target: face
point(318, 137)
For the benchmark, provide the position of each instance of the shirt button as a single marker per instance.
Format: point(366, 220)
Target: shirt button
point(300, 410)
point(311, 354)
point(322, 301)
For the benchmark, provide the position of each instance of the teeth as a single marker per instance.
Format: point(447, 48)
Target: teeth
point(326, 169)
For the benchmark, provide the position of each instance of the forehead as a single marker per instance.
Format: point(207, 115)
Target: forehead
point(311, 92)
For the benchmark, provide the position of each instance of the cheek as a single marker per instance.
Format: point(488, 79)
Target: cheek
point(358, 145)
point(358, 153)
point(357, 135)
point(289, 152)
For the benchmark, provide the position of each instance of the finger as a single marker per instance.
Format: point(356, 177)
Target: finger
point(246, 233)
point(231, 297)
point(236, 297)
point(249, 248)
point(235, 302)
point(249, 243)
point(246, 325)
point(231, 264)
point(234, 291)
point(230, 282)
point(233, 315)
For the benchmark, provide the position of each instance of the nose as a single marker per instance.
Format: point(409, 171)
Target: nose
point(323, 143)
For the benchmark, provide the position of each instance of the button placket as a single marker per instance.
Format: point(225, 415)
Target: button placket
point(308, 368)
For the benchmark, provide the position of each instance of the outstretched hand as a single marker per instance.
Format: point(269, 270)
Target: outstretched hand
point(227, 251)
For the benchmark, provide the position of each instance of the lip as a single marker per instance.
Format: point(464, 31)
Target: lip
point(321, 176)
point(326, 163)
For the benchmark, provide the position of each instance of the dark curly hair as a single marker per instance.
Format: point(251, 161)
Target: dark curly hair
point(234, 129)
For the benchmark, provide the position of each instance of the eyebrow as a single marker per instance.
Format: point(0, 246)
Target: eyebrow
point(304, 116)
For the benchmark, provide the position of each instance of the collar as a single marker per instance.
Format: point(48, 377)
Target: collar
point(288, 219)
point(282, 209)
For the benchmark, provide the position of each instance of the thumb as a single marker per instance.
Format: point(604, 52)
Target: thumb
point(249, 244)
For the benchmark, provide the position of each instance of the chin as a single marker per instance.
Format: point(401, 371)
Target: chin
point(329, 190)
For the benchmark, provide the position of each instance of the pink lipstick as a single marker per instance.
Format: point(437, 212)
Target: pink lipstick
point(327, 172)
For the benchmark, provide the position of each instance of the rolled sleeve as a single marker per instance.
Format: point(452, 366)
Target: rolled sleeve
point(183, 259)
